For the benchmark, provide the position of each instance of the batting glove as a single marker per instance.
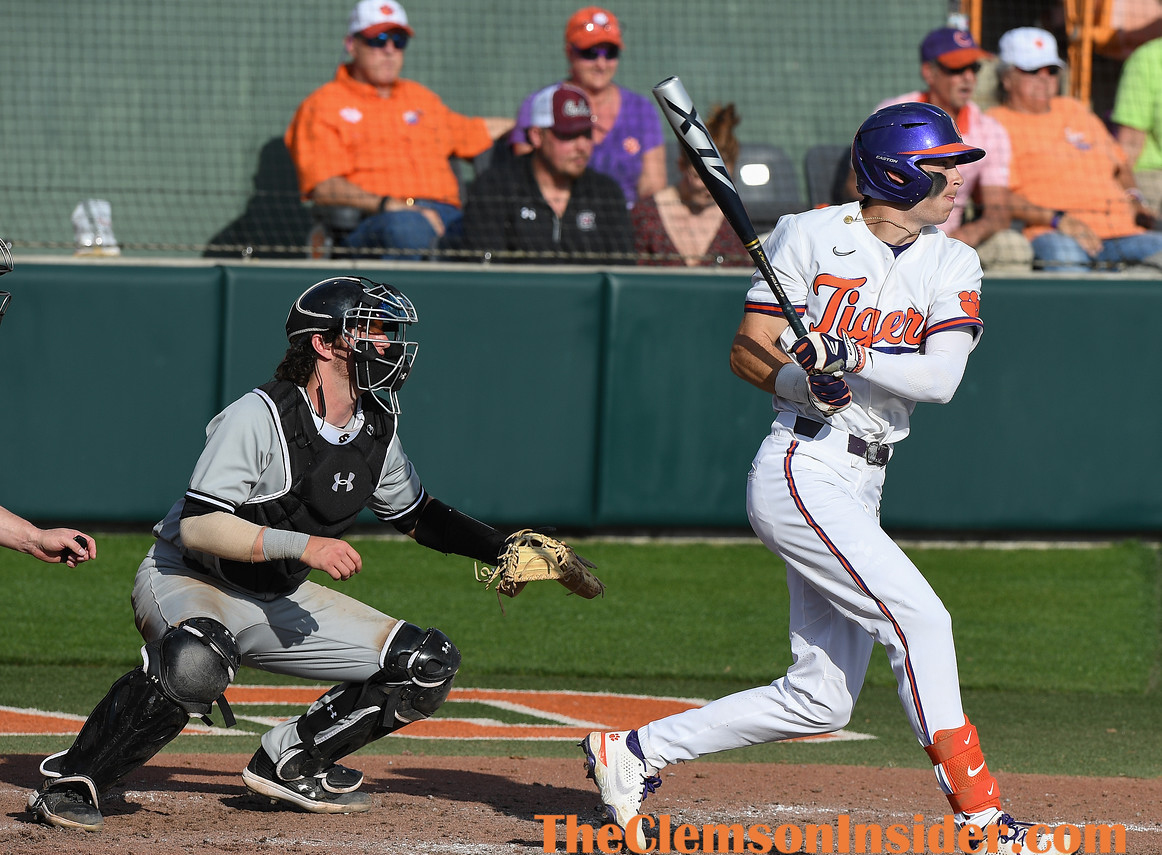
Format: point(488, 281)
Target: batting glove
point(821, 353)
point(828, 393)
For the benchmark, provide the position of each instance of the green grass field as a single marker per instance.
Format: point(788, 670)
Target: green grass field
point(1060, 651)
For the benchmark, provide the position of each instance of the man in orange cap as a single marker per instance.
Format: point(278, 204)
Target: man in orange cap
point(628, 144)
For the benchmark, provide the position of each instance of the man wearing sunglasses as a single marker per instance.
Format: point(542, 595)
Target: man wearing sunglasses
point(950, 61)
point(54, 545)
point(373, 140)
point(1072, 184)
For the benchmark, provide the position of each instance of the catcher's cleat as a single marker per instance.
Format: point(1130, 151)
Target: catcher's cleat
point(1014, 837)
point(331, 792)
point(615, 763)
point(67, 802)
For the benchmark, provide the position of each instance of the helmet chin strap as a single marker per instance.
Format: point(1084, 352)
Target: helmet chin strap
point(319, 391)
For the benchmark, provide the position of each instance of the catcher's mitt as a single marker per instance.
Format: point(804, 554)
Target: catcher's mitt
point(531, 556)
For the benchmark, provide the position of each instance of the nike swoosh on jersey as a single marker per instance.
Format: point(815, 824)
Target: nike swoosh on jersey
point(972, 773)
point(835, 249)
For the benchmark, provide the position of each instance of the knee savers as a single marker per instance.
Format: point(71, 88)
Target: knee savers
point(193, 663)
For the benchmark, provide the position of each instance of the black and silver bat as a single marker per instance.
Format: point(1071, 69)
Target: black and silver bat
point(704, 155)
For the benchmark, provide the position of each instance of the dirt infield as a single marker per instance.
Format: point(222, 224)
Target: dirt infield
point(186, 803)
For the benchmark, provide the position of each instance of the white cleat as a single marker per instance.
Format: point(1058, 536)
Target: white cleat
point(1014, 837)
point(615, 763)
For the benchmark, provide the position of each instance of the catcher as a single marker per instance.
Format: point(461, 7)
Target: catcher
point(284, 473)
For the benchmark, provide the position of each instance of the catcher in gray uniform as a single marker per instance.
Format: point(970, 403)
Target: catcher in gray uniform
point(285, 471)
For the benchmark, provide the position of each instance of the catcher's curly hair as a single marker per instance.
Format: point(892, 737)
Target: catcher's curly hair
point(298, 363)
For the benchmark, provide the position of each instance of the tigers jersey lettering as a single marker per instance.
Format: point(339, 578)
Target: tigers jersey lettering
point(887, 302)
point(871, 325)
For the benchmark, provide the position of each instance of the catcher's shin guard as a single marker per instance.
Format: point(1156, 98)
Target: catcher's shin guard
point(184, 671)
point(130, 724)
point(961, 769)
point(419, 666)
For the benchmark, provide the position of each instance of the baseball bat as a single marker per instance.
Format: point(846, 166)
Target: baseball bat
point(680, 112)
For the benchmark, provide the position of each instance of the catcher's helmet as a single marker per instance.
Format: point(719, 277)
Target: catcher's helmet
point(373, 318)
point(5, 266)
point(889, 144)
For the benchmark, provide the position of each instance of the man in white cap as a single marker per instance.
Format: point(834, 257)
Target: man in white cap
point(1072, 184)
point(549, 205)
point(372, 140)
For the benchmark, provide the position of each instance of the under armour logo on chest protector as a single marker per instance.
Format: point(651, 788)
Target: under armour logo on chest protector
point(348, 483)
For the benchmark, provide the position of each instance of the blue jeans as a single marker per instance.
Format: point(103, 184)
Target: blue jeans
point(404, 230)
point(1062, 254)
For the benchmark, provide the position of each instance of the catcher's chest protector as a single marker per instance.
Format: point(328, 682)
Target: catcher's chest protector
point(329, 485)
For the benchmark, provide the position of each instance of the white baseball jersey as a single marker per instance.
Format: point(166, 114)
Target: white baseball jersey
point(813, 498)
point(840, 276)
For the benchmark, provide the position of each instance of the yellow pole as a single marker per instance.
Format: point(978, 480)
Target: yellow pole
point(971, 8)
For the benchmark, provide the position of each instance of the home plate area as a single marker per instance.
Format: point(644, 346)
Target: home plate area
point(467, 714)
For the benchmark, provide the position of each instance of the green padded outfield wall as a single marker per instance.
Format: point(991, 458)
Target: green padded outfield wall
point(581, 399)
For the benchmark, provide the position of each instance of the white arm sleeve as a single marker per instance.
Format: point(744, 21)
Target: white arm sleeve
point(932, 375)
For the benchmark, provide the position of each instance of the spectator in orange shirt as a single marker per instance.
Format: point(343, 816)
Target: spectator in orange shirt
point(375, 141)
point(1072, 184)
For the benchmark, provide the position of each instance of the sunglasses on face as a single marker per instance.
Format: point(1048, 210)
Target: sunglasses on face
point(607, 51)
point(1053, 71)
point(974, 67)
point(397, 37)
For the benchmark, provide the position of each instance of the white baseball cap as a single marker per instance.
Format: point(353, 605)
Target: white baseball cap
point(1029, 48)
point(372, 17)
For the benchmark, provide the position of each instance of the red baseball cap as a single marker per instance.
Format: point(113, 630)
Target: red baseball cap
point(593, 26)
point(563, 108)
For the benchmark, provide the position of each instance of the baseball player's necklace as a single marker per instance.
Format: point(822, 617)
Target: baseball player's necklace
point(861, 219)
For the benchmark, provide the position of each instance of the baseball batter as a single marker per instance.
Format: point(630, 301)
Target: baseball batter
point(285, 471)
point(891, 306)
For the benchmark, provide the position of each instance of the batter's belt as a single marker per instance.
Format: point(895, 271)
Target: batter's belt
point(875, 453)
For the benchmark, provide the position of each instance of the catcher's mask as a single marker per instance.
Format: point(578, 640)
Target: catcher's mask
point(5, 266)
point(891, 143)
point(373, 318)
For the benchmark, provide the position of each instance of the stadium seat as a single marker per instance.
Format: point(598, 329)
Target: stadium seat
point(765, 178)
point(332, 223)
point(826, 166)
point(767, 183)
